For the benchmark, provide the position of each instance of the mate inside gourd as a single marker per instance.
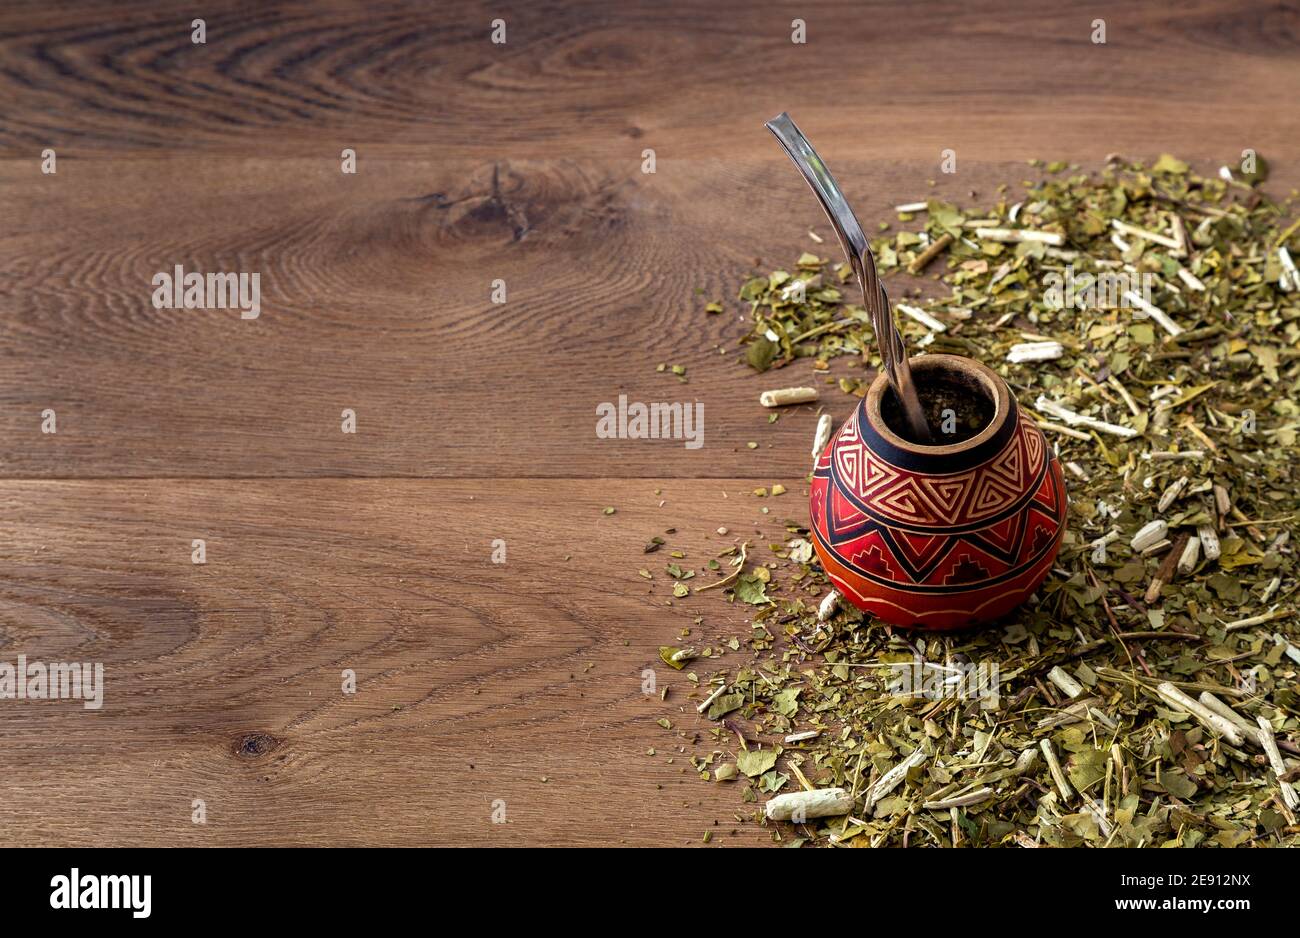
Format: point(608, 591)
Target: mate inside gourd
point(957, 407)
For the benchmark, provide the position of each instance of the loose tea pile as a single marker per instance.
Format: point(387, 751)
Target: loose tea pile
point(1149, 320)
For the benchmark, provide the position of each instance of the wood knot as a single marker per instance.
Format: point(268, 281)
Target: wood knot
point(555, 201)
point(487, 205)
point(252, 745)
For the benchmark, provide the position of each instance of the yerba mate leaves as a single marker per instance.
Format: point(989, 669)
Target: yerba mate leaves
point(1172, 400)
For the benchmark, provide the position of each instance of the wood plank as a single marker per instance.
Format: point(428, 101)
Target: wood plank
point(415, 79)
point(376, 286)
point(376, 296)
point(475, 679)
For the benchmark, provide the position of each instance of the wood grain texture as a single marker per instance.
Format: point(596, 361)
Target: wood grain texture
point(408, 79)
point(475, 421)
point(475, 680)
point(376, 296)
point(376, 286)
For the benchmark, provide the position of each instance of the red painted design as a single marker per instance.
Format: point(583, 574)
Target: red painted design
point(938, 550)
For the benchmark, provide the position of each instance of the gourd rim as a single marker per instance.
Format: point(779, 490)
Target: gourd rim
point(966, 371)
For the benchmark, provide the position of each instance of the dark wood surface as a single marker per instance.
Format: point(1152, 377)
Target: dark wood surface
point(475, 420)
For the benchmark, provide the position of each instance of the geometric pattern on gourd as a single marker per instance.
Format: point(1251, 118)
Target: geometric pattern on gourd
point(945, 559)
point(919, 500)
point(860, 472)
point(1046, 495)
point(844, 517)
point(850, 454)
point(1034, 443)
point(955, 498)
point(1001, 481)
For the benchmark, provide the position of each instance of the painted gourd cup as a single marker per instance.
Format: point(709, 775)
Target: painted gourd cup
point(939, 536)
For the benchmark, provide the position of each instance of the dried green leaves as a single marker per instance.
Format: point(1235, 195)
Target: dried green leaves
point(1186, 415)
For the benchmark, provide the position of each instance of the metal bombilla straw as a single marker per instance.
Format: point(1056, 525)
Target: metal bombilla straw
point(874, 299)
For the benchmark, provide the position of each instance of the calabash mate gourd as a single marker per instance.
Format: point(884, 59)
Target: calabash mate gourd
point(945, 535)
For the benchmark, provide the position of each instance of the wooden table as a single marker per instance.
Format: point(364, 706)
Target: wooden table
point(477, 682)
